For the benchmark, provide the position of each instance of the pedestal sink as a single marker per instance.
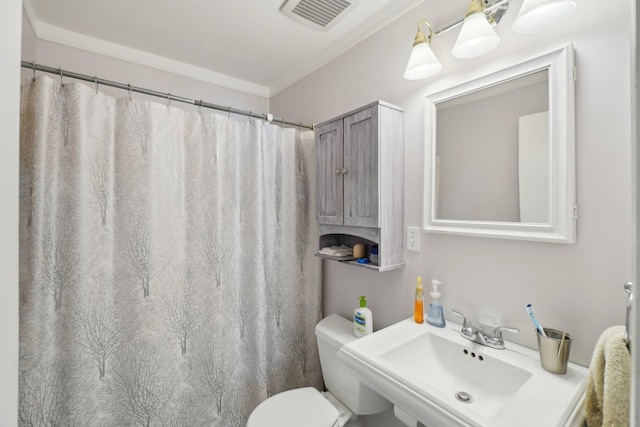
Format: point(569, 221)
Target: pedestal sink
point(443, 380)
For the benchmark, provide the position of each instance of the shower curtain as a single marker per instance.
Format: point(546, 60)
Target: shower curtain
point(167, 274)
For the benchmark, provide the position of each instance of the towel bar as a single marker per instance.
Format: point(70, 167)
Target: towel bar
point(628, 287)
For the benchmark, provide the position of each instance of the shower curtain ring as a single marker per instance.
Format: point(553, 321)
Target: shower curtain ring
point(229, 112)
point(200, 107)
point(34, 71)
point(130, 90)
point(61, 82)
point(169, 98)
point(95, 80)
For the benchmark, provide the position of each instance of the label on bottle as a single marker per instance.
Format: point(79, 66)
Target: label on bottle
point(359, 324)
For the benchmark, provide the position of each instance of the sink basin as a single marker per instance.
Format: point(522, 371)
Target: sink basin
point(432, 361)
point(442, 379)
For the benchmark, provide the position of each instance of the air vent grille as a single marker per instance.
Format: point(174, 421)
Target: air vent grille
point(320, 14)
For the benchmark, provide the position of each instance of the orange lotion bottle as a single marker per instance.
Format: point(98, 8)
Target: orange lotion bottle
point(418, 311)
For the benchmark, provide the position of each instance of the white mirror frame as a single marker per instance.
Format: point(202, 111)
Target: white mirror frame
point(562, 204)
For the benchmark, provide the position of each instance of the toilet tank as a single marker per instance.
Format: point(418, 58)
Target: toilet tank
point(333, 332)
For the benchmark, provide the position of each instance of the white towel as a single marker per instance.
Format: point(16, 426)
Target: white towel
point(337, 251)
point(608, 391)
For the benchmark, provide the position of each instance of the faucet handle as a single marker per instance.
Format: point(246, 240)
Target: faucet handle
point(467, 326)
point(497, 332)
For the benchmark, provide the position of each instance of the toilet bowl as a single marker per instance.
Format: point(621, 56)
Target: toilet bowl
point(345, 399)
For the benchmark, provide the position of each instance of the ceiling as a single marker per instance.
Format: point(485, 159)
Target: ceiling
point(246, 45)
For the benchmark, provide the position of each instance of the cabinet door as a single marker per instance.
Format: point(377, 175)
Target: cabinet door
point(329, 166)
point(361, 195)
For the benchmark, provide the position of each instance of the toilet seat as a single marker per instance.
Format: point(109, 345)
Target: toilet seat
point(293, 408)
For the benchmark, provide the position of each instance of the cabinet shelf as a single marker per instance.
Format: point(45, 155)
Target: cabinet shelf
point(353, 261)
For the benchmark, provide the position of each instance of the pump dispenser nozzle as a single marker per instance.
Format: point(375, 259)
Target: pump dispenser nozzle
point(434, 293)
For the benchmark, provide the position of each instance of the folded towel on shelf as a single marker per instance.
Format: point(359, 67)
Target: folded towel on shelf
point(337, 251)
point(608, 391)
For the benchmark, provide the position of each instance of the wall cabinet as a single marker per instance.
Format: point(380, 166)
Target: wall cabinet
point(359, 182)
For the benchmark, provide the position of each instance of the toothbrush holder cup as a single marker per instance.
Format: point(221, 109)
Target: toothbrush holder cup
point(554, 350)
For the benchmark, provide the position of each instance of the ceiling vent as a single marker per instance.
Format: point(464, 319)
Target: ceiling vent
point(318, 14)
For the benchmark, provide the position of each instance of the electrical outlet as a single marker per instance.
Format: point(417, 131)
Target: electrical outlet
point(413, 239)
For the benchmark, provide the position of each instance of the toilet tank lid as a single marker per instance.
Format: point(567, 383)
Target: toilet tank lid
point(336, 330)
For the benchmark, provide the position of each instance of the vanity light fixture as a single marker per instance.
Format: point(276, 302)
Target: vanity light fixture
point(477, 36)
point(422, 62)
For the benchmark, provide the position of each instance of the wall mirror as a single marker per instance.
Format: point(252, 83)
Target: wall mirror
point(500, 153)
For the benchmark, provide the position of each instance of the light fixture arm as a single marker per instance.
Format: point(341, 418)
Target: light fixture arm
point(475, 6)
point(494, 12)
point(420, 37)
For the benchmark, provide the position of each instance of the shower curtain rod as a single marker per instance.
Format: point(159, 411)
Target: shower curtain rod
point(98, 81)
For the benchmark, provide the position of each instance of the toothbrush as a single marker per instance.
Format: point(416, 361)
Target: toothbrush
point(564, 334)
point(535, 322)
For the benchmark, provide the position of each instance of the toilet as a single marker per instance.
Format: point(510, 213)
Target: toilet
point(345, 399)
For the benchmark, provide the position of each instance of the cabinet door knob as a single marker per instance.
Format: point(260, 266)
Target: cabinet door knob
point(336, 172)
point(344, 171)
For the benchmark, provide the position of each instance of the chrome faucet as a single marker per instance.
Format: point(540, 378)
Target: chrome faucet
point(478, 335)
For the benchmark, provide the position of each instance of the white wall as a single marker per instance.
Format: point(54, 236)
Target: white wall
point(573, 287)
point(9, 128)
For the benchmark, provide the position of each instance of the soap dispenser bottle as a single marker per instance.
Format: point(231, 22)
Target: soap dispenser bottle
point(435, 313)
point(418, 311)
point(362, 319)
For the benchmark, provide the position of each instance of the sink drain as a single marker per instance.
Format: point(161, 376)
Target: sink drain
point(464, 397)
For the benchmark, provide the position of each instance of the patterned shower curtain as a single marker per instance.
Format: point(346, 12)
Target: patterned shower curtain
point(167, 271)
